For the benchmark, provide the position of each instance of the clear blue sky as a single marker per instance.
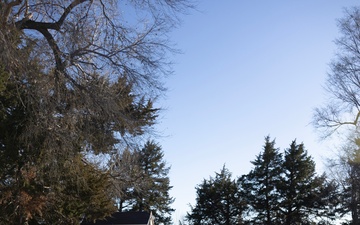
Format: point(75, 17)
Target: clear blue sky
point(248, 69)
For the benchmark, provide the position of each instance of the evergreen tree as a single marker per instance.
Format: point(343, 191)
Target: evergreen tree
point(27, 191)
point(327, 206)
point(218, 201)
point(259, 186)
point(298, 186)
point(151, 192)
point(351, 188)
point(127, 176)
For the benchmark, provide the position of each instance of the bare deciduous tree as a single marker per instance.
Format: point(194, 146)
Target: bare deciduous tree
point(343, 111)
point(343, 80)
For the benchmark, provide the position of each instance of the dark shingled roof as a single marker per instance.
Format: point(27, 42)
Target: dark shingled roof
point(123, 218)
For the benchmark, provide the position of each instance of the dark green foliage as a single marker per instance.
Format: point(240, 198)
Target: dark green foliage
point(154, 195)
point(260, 185)
point(82, 195)
point(280, 189)
point(286, 190)
point(299, 184)
point(218, 201)
point(327, 200)
point(19, 193)
point(150, 190)
point(65, 96)
point(346, 170)
point(351, 191)
point(33, 189)
point(42, 176)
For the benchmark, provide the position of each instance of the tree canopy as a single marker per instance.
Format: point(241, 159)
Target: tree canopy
point(260, 185)
point(218, 201)
point(78, 78)
point(282, 188)
point(148, 190)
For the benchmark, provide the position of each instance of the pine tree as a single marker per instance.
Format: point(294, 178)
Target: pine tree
point(297, 187)
point(351, 194)
point(218, 201)
point(152, 192)
point(346, 171)
point(259, 186)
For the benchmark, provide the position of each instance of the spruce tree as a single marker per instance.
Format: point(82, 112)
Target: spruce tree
point(152, 192)
point(298, 186)
point(259, 186)
point(346, 171)
point(218, 201)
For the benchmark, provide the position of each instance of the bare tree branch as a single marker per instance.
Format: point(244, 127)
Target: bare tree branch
point(343, 81)
point(31, 24)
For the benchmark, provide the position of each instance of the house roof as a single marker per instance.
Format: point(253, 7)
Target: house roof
point(141, 218)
